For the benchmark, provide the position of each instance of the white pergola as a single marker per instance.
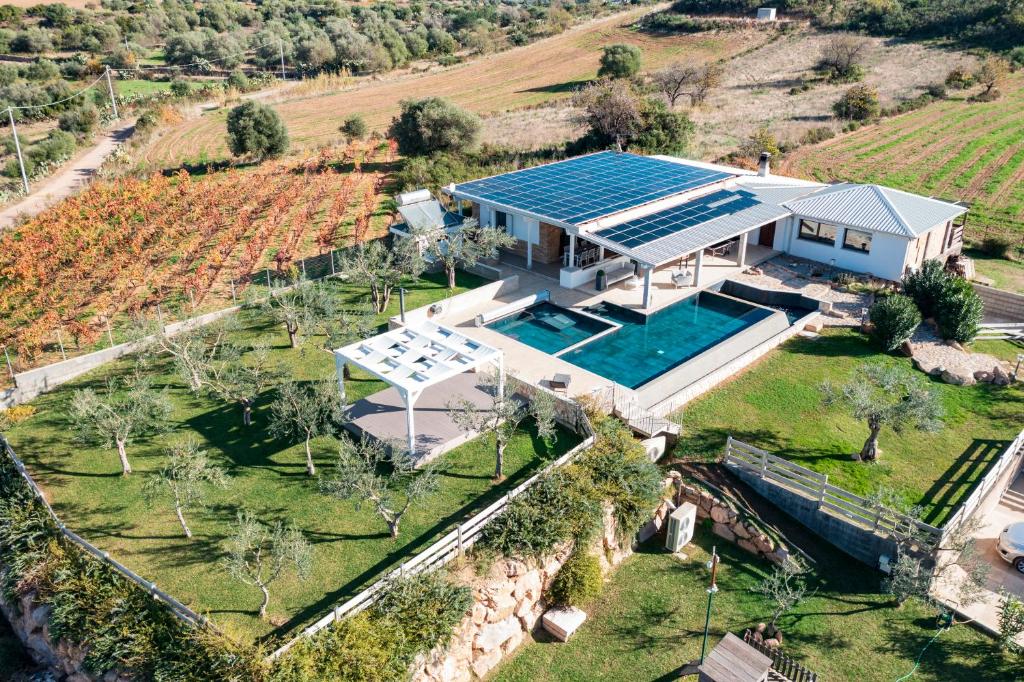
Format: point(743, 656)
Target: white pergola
point(415, 357)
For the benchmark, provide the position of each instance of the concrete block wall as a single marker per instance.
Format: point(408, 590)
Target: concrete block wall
point(1001, 306)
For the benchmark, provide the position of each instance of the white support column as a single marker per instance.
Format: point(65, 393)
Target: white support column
point(410, 420)
point(741, 256)
point(529, 242)
point(647, 285)
point(339, 367)
point(572, 250)
point(697, 268)
point(501, 375)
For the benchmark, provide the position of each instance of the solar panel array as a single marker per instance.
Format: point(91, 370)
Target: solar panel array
point(645, 230)
point(587, 187)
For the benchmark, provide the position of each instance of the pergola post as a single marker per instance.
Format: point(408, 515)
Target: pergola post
point(741, 255)
point(501, 376)
point(410, 420)
point(339, 367)
point(647, 285)
point(697, 267)
point(529, 243)
point(572, 251)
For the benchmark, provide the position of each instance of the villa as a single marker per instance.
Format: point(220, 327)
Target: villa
point(629, 282)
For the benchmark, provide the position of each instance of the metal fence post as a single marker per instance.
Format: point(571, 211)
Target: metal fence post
point(10, 367)
point(304, 275)
point(110, 333)
point(764, 466)
point(269, 285)
point(233, 298)
point(192, 298)
point(60, 342)
point(821, 491)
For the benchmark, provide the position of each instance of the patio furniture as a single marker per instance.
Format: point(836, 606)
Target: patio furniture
point(619, 274)
point(720, 250)
point(560, 382)
point(682, 278)
point(632, 282)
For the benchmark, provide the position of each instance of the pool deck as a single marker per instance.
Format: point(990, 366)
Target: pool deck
point(537, 367)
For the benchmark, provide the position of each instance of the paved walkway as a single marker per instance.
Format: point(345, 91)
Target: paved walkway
point(68, 180)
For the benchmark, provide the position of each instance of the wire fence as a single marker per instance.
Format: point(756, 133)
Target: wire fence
point(176, 607)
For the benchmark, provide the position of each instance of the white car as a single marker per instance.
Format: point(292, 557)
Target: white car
point(1011, 545)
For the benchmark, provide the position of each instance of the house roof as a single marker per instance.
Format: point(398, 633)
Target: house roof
point(414, 357)
point(586, 188)
point(877, 208)
point(664, 235)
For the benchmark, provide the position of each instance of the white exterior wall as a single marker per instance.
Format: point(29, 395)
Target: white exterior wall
point(519, 225)
point(886, 259)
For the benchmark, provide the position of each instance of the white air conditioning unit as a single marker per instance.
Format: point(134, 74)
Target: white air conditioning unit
point(680, 527)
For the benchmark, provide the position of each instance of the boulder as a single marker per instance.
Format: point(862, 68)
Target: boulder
point(453, 670)
point(764, 544)
point(529, 586)
point(723, 531)
point(484, 663)
point(493, 635)
point(562, 622)
point(908, 349)
point(38, 617)
point(513, 642)
point(478, 614)
point(515, 568)
point(746, 545)
point(958, 377)
point(983, 377)
point(1000, 377)
point(741, 530)
point(722, 514)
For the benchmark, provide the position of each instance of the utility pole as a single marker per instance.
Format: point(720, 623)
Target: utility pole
point(17, 148)
point(280, 47)
point(110, 89)
point(713, 565)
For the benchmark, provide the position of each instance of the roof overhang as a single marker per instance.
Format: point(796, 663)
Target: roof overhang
point(417, 356)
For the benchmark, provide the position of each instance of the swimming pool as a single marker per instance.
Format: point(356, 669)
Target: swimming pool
point(644, 346)
point(549, 327)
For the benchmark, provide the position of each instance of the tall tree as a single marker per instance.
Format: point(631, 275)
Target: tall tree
point(186, 478)
point(382, 268)
point(503, 416)
point(346, 326)
point(192, 349)
point(304, 411)
point(300, 308)
point(256, 130)
point(610, 109)
point(620, 61)
point(384, 477)
point(128, 409)
point(464, 246)
point(886, 395)
point(239, 376)
point(257, 554)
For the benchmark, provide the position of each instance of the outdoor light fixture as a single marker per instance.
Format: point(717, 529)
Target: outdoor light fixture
point(1016, 370)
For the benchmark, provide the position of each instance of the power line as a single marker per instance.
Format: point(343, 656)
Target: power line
point(60, 101)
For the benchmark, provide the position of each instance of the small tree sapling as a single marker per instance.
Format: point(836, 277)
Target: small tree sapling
point(185, 478)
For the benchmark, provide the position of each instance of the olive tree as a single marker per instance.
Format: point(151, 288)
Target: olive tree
point(464, 246)
point(299, 308)
point(381, 268)
point(886, 395)
point(346, 326)
point(433, 124)
point(503, 415)
point(620, 61)
point(239, 375)
point(128, 409)
point(610, 109)
point(258, 554)
point(304, 411)
point(256, 130)
point(185, 479)
point(385, 477)
point(785, 587)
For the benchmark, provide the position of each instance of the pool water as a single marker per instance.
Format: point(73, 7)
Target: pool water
point(549, 327)
point(647, 346)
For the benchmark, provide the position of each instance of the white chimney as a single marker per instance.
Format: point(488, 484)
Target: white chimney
point(764, 165)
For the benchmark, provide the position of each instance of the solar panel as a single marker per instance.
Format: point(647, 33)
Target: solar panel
point(587, 187)
point(644, 230)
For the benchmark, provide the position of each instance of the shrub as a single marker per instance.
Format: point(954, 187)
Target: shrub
point(578, 581)
point(958, 311)
point(42, 70)
point(925, 286)
point(237, 80)
point(433, 125)
point(816, 135)
point(427, 606)
point(81, 121)
point(858, 103)
point(257, 130)
point(936, 90)
point(146, 122)
point(995, 246)
point(894, 318)
point(620, 61)
point(959, 79)
point(354, 127)
point(180, 88)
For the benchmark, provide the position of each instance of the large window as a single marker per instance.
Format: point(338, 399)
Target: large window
point(814, 231)
point(857, 240)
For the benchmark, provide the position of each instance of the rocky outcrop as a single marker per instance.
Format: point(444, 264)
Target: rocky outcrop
point(65, 661)
point(727, 523)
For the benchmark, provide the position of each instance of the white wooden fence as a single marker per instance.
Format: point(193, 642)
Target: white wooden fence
point(855, 509)
point(452, 545)
point(1009, 460)
point(176, 607)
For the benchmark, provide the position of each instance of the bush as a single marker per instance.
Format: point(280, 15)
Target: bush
point(959, 79)
point(620, 61)
point(180, 88)
point(894, 319)
point(257, 130)
point(80, 122)
point(925, 286)
point(816, 135)
point(433, 125)
point(42, 70)
point(354, 127)
point(859, 103)
point(238, 80)
point(958, 311)
point(936, 91)
point(995, 246)
point(578, 581)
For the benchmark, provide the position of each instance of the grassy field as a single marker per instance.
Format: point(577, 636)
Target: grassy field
point(1005, 274)
point(526, 76)
point(953, 149)
point(776, 405)
point(351, 544)
point(127, 88)
point(650, 620)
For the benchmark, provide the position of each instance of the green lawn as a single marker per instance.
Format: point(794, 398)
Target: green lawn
point(127, 88)
point(650, 620)
point(776, 405)
point(351, 545)
point(1005, 274)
